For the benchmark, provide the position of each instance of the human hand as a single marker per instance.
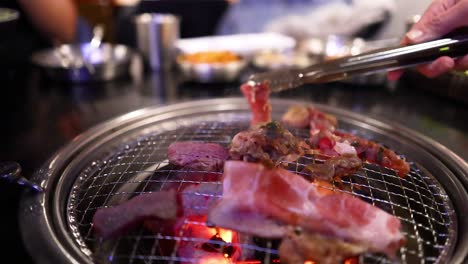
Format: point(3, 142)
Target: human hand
point(441, 17)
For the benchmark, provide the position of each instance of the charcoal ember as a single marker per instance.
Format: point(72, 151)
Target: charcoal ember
point(205, 244)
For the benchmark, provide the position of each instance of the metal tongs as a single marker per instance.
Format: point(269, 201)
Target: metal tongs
point(366, 63)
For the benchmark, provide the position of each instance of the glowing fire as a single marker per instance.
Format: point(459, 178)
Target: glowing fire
point(226, 235)
point(214, 260)
point(219, 246)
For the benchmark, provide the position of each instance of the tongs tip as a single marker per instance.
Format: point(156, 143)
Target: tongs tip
point(278, 80)
point(255, 79)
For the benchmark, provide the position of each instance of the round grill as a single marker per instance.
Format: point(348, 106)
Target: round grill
point(133, 161)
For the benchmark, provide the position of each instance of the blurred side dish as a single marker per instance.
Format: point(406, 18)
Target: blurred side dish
point(210, 57)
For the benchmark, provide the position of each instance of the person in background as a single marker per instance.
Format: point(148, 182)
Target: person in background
point(41, 24)
point(55, 20)
point(440, 18)
point(303, 19)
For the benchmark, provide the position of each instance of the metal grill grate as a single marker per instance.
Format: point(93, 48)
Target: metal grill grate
point(140, 165)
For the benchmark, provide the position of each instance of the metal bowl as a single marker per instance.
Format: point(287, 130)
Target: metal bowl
point(7, 14)
point(83, 63)
point(273, 60)
point(212, 72)
point(8, 20)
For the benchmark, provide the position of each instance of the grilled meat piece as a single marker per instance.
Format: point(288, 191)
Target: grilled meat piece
point(197, 155)
point(367, 150)
point(263, 202)
point(299, 247)
point(114, 221)
point(375, 153)
point(328, 141)
point(268, 143)
point(258, 97)
point(297, 116)
point(334, 168)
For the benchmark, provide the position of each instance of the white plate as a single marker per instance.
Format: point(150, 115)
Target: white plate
point(243, 44)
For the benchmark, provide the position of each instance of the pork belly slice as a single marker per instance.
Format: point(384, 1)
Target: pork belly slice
point(267, 143)
point(113, 221)
point(258, 97)
point(197, 155)
point(263, 202)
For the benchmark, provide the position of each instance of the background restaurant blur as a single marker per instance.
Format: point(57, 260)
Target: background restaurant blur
point(130, 54)
point(297, 18)
point(319, 29)
point(294, 17)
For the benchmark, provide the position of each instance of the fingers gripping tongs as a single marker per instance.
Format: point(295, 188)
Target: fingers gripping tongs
point(366, 63)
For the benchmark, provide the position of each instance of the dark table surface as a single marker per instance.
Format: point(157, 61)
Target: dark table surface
point(40, 116)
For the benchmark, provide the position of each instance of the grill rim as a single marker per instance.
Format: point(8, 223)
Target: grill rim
point(48, 239)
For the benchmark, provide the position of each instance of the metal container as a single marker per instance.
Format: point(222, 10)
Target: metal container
point(83, 63)
point(156, 38)
point(126, 156)
point(8, 21)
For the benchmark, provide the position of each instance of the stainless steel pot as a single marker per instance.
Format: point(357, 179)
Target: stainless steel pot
point(121, 158)
point(85, 63)
point(8, 21)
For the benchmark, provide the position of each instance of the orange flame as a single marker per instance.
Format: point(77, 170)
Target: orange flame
point(215, 260)
point(226, 235)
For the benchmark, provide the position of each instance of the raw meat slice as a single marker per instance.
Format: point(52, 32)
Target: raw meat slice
point(113, 221)
point(258, 97)
point(262, 201)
